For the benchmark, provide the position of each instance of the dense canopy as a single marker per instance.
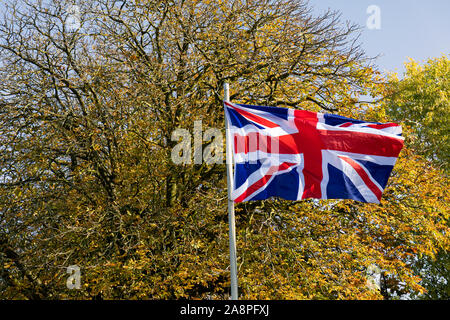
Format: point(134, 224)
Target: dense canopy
point(89, 99)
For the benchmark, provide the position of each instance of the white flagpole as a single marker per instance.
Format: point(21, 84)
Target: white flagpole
point(231, 223)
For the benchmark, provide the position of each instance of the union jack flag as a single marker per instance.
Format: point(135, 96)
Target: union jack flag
point(298, 154)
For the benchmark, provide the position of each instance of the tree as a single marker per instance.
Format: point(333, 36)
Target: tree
point(435, 273)
point(421, 100)
point(86, 120)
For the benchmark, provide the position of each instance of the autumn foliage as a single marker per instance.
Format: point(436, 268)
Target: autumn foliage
point(86, 177)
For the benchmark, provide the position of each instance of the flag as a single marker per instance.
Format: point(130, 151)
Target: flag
point(298, 154)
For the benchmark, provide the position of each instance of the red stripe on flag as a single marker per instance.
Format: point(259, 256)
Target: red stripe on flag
point(360, 142)
point(364, 176)
point(382, 126)
point(254, 141)
point(253, 117)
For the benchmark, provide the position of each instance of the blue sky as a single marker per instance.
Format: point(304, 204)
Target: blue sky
point(419, 29)
point(409, 28)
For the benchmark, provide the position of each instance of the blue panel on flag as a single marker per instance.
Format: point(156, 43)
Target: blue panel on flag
point(243, 171)
point(340, 187)
point(279, 112)
point(239, 121)
point(284, 186)
point(335, 120)
point(379, 172)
